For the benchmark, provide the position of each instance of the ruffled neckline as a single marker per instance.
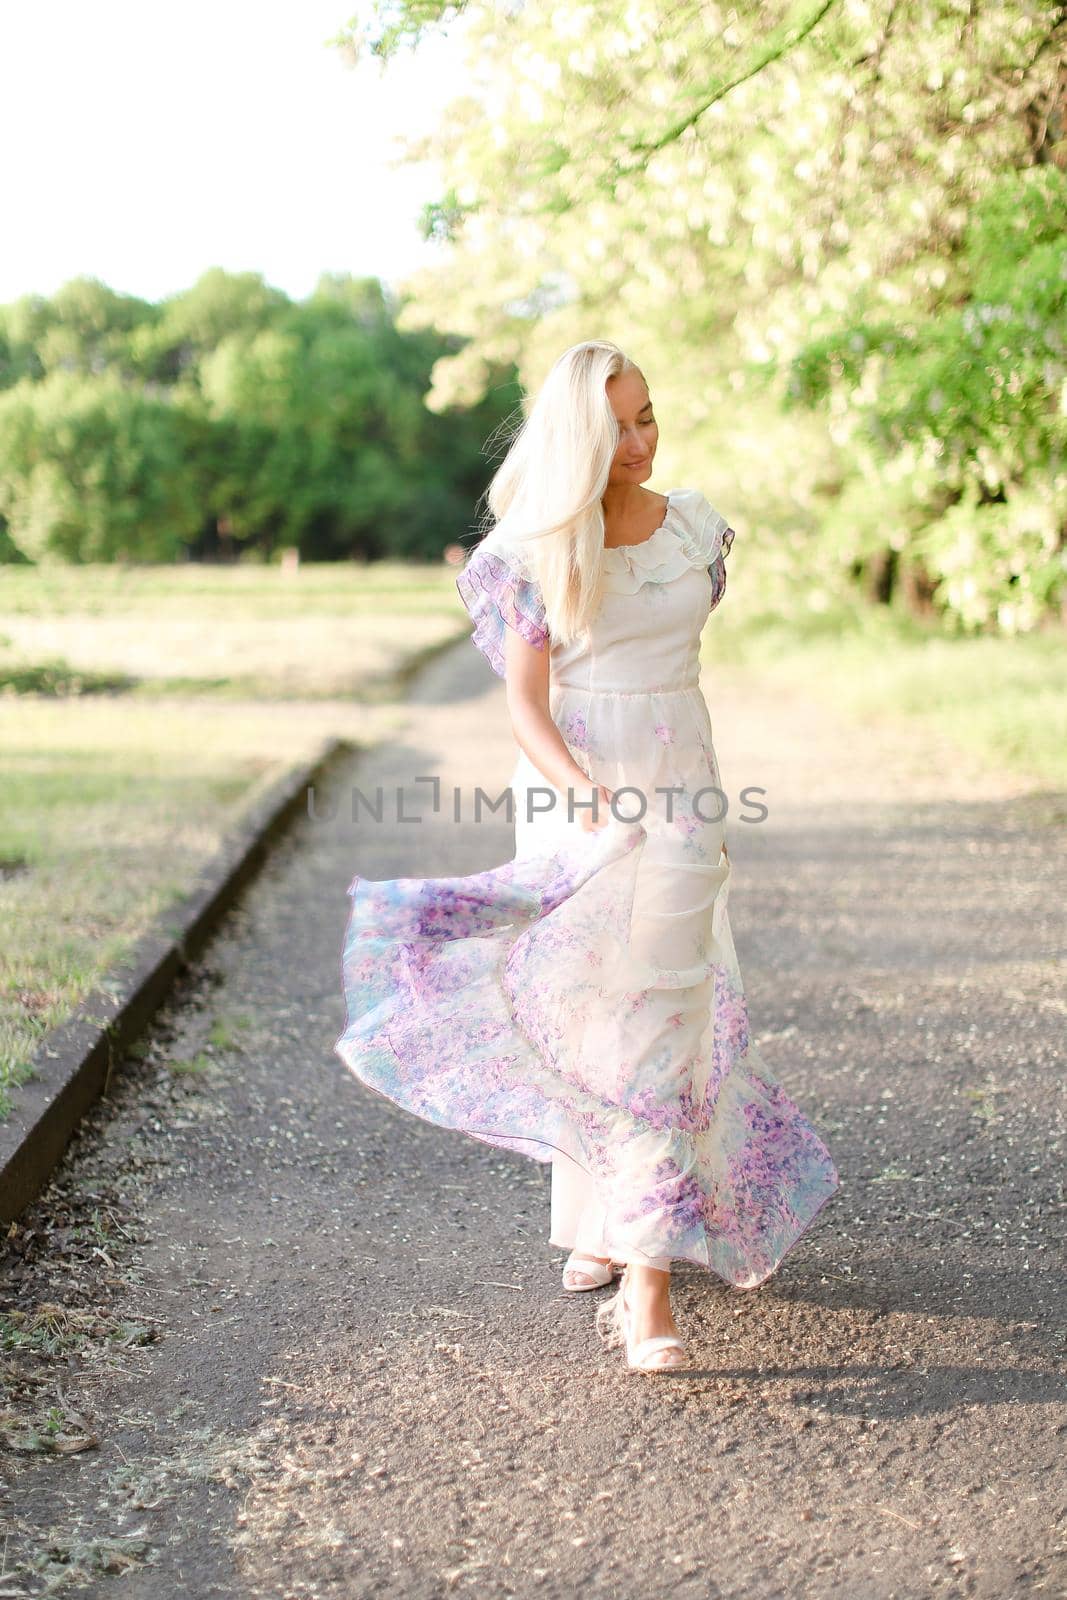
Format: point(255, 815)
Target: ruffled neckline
point(648, 553)
point(684, 539)
point(691, 534)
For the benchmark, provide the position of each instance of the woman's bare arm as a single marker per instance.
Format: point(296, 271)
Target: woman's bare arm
point(527, 684)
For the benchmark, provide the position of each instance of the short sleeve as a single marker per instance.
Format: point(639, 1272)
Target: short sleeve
point(717, 567)
point(499, 595)
point(708, 537)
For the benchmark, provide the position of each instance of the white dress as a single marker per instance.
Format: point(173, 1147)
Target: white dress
point(582, 1003)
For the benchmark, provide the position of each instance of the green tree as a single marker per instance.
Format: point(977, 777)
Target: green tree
point(85, 327)
point(191, 324)
point(229, 416)
point(966, 401)
point(92, 470)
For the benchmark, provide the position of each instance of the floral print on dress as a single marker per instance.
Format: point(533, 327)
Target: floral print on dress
point(585, 996)
point(717, 569)
point(574, 726)
point(498, 595)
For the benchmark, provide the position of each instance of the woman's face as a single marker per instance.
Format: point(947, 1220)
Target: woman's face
point(638, 430)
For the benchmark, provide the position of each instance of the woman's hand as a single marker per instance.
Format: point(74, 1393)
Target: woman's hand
point(584, 817)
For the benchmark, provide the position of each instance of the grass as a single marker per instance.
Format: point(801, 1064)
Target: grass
point(144, 711)
point(245, 632)
point(1002, 699)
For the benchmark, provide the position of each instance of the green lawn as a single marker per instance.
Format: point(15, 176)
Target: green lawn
point(143, 711)
point(248, 631)
point(1003, 699)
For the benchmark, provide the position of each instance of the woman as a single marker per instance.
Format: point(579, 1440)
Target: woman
point(582, 1003)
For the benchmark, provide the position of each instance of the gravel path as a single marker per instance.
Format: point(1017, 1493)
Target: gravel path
point(304, 1344)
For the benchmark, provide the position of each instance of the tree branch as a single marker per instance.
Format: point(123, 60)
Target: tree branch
point(779, 42)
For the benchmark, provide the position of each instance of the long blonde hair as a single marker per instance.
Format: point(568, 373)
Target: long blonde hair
point(544, 499)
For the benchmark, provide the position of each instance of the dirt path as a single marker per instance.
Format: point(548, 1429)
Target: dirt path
point(323, 1349)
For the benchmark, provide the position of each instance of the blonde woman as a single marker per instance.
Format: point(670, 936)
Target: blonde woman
point(582, 1003)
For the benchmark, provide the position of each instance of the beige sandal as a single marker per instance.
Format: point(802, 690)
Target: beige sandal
point(596, 1273)
point(663, 1352)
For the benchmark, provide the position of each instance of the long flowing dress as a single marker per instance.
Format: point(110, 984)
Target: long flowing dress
point(582, 1003)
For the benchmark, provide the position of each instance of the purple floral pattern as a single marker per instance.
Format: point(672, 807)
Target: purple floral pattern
point(499, 596)
point(717, 569)
point(585, 996)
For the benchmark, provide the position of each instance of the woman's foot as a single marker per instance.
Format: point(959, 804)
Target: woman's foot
point(648, 1301)
point(575, 1278)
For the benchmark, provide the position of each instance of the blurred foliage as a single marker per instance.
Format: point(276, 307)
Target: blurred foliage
point(230, 418)
point(960, 405)
point(831, 234)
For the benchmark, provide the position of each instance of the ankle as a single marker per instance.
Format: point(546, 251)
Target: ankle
point(649, 1280)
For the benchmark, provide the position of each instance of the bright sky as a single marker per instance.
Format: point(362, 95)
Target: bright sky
point(144, 143)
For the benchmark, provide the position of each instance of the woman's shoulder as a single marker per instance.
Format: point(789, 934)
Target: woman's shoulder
point(704, 529)
point(499, 591)
point(504, 558)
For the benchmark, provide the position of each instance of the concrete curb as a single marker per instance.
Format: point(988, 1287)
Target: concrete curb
point(74, 1060)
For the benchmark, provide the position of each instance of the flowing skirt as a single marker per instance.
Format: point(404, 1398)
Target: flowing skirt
point(584, 998)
